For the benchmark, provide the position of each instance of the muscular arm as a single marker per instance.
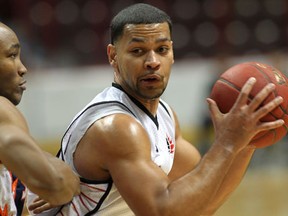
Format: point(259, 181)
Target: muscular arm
point(125, 153)
point(186, 152)
point(231, 180)
point(119, 145)
point(42, 173)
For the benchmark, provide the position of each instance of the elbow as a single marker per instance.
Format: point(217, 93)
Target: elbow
point(63, 190)
point(59, 190)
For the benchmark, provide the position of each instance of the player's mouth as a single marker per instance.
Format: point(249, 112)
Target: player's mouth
point(151, 78)
point(22, 85)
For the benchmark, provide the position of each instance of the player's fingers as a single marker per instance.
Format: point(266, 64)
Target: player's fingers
point(214, 110)
point(245, 91)
point(261, 112)
point(270, 125)
point(36, 203)
point(42, 208)
point(261, 96)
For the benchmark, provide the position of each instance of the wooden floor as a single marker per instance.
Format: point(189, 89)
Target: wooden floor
point(261, 193)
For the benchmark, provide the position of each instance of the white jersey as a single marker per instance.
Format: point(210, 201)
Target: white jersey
point(7, 204)
point(102, 197)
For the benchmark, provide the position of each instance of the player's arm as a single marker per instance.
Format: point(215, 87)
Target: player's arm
point(122, 148)
point(125, 153)
point(242, 159)
point(42, 173)
point(231, 180)
point(187, 157)
point(186, 152)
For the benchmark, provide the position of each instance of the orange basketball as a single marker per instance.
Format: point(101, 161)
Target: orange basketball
point(226, 89)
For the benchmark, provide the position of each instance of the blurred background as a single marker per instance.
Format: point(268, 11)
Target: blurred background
point(64, 48)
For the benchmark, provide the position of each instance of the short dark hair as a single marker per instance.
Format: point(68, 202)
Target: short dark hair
point(137, 14)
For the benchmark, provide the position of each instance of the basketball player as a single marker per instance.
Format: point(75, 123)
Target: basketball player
point(42, 173)
point(126, 144)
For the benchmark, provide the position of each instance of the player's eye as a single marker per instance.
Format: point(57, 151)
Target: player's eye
point(13, 55)
point(137, 51)
point(163, 49)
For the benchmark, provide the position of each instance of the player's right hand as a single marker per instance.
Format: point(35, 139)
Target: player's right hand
point(235, 129)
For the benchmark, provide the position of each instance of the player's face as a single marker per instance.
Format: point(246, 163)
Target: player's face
point(142, 59)
point(12, 83)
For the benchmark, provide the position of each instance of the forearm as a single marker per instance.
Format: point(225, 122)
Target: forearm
point(203, 182)
point(231, 180)
point(50, 178)
point(57, 185)
point(68, 181)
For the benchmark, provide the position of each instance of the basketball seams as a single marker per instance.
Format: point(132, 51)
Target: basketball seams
point(264, 135)
point(270, 80)
point(221, 79)
point(233, 86)
point(227, 88)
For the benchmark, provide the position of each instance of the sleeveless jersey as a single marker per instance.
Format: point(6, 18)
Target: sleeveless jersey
point(102, 197)
point(7, 204)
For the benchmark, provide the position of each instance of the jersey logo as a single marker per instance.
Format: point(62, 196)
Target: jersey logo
point(170, 144)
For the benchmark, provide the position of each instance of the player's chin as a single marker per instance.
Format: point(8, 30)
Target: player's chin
point(154, 95)
point(16, 98)
point(152, 91)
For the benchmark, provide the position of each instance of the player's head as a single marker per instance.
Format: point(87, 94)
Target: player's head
point(137, 14)
point(12, 83)
point(141, 50)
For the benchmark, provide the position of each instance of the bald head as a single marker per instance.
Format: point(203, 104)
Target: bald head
point(5, 27)
point(12, 83)
point(6, 31)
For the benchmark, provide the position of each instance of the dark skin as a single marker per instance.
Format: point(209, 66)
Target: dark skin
point(15, 137)
point(148, 50)
point(142, 59)
point(12, 71)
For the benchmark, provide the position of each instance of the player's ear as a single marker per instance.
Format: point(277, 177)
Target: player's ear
point(172, 53)
point(111, 53)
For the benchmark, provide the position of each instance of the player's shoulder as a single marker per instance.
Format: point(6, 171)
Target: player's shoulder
point(9, 112)
point(6, 107)
point(121, 129)
point(117, 121)
point(118, 125)
point(5, 102)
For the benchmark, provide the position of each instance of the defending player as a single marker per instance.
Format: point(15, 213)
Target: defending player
point(42, 173)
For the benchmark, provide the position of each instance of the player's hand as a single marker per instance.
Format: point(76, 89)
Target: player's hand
point(39, 205)
point(235, 129)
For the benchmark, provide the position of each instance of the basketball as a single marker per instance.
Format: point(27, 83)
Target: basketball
point(228, 86)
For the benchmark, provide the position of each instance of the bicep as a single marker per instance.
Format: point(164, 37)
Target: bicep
point(125, 153)
point(185, 160)
point(43, 176)
point(17, 147)
point(21, 154)
point(18, 150)
point(186, 155)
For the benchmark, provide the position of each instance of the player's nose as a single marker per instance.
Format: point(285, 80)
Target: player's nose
point(152, 61)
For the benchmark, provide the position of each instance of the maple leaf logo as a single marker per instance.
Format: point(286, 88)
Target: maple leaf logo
point(170, 144)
